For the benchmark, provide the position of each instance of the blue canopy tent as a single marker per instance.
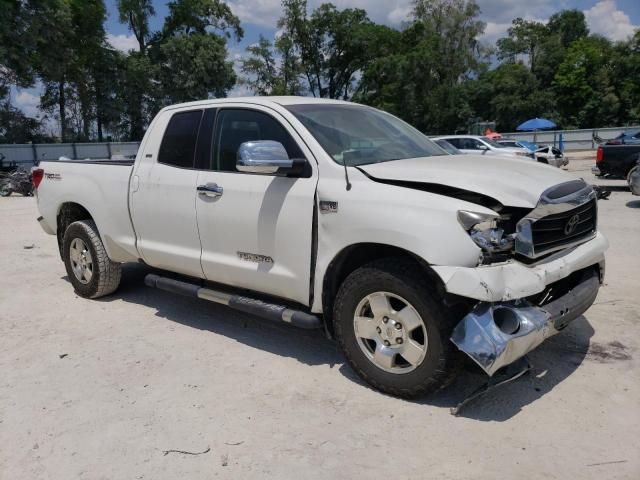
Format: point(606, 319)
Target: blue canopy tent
point(536, 124)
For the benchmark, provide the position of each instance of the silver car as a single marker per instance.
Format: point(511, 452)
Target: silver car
point(484, 146)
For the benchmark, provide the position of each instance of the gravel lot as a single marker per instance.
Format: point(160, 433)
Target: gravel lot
point(101, 389)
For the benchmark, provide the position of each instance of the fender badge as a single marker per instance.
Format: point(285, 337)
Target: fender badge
point(328, 207)
point(254, 257)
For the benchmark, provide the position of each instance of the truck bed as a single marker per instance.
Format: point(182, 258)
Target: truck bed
point(99, 186)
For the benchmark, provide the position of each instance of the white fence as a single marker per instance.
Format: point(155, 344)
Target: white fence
point(26, 155)
point(572, 139)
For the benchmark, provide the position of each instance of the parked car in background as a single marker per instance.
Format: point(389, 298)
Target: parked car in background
point(483, 145)
point(327, 214)
point(512, 143)
point(543, 153)
point(633, 179)
point(616, 160)
point(551, 155)
point(447, 147)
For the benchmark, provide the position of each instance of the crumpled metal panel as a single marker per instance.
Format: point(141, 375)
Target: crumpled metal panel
point(478, 336)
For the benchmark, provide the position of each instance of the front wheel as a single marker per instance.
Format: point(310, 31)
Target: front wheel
point(90, 270)
point(393, 331)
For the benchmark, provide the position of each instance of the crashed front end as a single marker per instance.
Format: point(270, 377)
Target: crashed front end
point(531, 282)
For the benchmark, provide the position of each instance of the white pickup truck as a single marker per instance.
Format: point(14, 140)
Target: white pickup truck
point(328, 214)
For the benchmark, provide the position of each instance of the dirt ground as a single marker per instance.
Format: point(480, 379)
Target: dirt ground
point(102, 389)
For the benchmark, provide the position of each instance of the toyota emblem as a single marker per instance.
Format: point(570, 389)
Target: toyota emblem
point(571, 225)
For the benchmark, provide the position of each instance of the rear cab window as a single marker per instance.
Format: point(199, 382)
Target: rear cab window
point(178, 145)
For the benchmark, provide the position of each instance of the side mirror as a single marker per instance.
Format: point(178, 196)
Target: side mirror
point(267, 157)
point(483, 147)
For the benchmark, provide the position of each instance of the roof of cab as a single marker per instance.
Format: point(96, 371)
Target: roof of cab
point(292, 100)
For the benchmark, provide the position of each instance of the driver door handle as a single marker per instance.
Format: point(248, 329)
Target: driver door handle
point(210, 190)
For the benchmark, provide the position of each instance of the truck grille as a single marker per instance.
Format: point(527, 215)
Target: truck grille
point(555, 231)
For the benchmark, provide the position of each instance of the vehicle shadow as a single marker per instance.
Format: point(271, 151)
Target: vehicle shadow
point(310, 347)
point(552, 362)
point(633, 204)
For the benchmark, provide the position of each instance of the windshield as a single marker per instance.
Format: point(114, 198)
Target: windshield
point(493, 143)
point(358, 135)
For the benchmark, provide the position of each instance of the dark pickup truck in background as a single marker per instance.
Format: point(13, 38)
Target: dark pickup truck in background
point(616, 159)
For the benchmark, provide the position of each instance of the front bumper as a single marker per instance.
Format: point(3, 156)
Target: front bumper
point(514, 280)
point(497, 334)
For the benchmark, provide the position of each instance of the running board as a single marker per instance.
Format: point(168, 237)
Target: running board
point(270, 311)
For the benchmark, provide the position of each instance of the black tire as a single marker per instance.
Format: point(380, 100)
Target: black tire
point(405, 279)
point(106, 274)
point(5, 190)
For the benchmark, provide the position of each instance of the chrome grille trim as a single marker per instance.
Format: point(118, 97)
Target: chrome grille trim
point(551, 204)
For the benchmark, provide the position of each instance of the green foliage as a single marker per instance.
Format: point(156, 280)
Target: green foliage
point(136, 14)
point(422, 77)
point(195, 67)
point(16, 127)
point(201, 16)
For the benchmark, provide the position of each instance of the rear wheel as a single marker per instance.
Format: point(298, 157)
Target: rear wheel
point(5, 189)
point(90, 270)
point(392, 330)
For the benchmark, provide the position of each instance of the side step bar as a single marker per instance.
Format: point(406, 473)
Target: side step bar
point(270, 311)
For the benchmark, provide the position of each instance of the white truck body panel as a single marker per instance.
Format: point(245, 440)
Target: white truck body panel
point(103, 190)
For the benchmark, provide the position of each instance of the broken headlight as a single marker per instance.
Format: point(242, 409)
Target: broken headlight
point(486, 232)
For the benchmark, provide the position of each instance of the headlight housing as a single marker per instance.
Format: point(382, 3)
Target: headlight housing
point(484, 230)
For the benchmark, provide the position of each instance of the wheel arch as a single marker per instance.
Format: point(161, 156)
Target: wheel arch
point(69, 212)
point(357, 255)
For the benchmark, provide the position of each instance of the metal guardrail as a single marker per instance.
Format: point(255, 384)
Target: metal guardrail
point(26, 155)
point(572, 139)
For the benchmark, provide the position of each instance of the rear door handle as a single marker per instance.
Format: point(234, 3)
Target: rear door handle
point(210, 190)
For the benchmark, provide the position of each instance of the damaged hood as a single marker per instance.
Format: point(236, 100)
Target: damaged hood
point(511, 181)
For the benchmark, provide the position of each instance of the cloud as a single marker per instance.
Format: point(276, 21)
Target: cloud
point(27, 102)
point(494, 31)
point(605, 18)
point(258, 12)
point(122, 42)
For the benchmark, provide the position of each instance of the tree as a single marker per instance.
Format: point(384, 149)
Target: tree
point(16, 127)
point(136, 14)
point(202, 16)
point(569, 25)
point(524, 38)
point(582, 82)
point(195, 67)
point(261, 67)
point(191, 54)
point(54, 59)
point(329, 48)
point(421, 72)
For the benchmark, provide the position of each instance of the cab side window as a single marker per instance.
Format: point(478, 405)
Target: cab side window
point(178, 146)
point(234, 127)
point(457, 142)
point(476, 144)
